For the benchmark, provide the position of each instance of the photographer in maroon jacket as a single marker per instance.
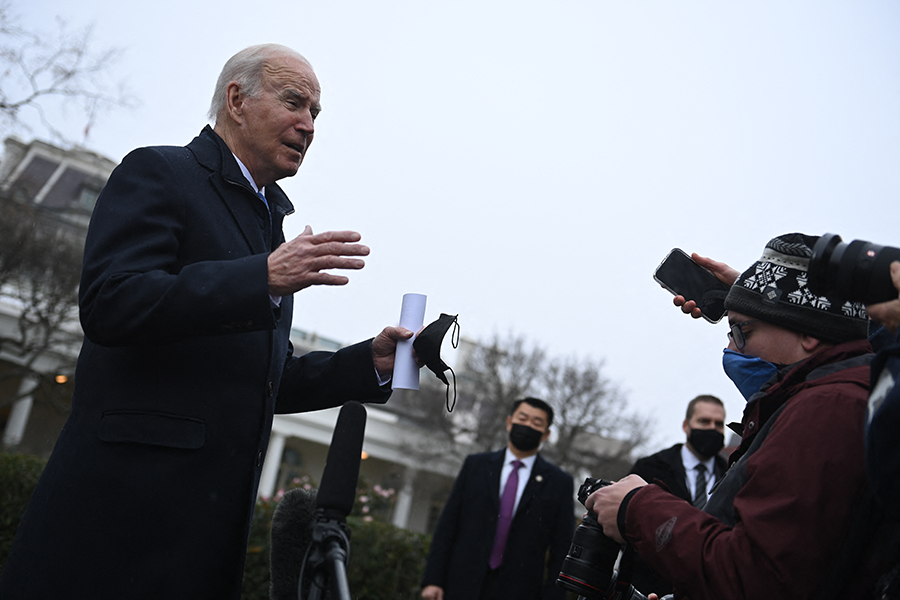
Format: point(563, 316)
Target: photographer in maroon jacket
point(775, 525)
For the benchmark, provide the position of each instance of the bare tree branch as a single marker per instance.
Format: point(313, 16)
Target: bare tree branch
point(501, 372)
point(595, 431)
point(43, 77)
point(40, 267)
point(42, 71)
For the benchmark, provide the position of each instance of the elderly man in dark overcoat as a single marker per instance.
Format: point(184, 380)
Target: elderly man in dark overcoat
point(186, 304)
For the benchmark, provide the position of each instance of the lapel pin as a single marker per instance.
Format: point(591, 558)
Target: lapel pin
point(539, 478)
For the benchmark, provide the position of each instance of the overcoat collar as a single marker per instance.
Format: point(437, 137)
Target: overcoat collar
point(213, 154)
point(532, 487)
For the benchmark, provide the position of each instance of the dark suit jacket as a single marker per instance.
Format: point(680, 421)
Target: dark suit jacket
point(152, 483)
point(666, 467)
point(544, 522)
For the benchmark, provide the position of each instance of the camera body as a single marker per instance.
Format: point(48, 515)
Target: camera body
point(589, 567)
point(858, 271)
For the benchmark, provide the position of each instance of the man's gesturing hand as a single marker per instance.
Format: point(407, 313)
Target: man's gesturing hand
point(300, 263)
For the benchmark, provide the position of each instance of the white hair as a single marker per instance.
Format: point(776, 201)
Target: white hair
point(246, 69)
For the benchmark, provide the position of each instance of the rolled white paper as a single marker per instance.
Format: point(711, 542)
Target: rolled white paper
point(412, 316)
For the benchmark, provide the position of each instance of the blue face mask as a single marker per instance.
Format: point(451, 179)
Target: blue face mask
point(749, 373)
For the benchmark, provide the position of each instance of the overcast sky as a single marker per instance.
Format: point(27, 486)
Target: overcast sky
point(529, 164)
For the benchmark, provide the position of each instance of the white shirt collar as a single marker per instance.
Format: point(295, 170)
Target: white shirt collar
point(690, 461)
point(528, 461)
point(247, 174)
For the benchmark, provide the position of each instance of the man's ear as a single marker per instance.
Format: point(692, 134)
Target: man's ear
point(811, 344)
point(546, 435)
point(234, 102)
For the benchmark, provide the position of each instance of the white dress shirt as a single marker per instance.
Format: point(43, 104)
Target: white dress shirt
point(524, 474)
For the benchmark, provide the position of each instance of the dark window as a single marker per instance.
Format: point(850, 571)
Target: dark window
point(72, 190)
point(33, 178)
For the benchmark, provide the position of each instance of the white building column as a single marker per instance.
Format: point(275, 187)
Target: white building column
point(403, 507)
point(19, 413)
point(269, 476)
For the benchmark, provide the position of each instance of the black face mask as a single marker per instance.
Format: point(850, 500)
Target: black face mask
point(525, 438)
point(428, 348)
point(707, 442)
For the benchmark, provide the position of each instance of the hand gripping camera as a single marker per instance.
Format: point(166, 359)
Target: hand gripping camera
point(590, 566)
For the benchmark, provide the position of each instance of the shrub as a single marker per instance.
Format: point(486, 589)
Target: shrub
point(386, 562)
point(373, 501)
point(256, 566)
point(19, 474)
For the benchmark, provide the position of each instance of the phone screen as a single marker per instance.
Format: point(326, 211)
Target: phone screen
point(679, 274)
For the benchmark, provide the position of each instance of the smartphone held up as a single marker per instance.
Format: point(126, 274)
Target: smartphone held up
point(679, 274)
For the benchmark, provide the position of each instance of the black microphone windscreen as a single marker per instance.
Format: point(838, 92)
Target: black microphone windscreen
point(292, 525)
point(337, 490)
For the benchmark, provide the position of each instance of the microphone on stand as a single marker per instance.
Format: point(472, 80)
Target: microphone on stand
point(326, 562)
point(292, 526)
point(337, 491)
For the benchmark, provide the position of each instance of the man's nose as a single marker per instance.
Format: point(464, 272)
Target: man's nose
point(306, 123)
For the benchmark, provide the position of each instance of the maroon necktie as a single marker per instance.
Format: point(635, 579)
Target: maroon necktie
point(507, 502)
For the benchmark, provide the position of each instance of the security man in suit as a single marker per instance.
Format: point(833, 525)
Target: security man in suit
point(186, 304)
point(508, 521)
point(688, 470)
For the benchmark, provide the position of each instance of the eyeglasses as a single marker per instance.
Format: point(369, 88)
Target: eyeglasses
point(737, 333)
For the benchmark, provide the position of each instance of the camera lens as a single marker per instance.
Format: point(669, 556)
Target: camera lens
point(588, 568)
point(858, 271)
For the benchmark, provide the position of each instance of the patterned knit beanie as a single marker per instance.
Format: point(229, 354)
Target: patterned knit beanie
point(774, 289)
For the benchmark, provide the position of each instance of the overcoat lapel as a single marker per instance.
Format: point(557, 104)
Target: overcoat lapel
point(533, 487)
point(493, 474)
point(235, 192)
point(238, 199)
point(681, 479)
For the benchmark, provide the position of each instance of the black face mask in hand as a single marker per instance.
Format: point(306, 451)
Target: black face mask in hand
point(428, 348)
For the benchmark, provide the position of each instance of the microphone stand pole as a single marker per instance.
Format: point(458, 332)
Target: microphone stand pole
point(328, 560)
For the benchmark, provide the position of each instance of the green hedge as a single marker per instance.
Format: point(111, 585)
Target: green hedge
point(386, 562)
point(19, 474)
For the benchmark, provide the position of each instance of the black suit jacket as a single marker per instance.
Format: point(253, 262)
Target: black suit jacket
point(152, 483)
point(665, 467)
point(539, 536)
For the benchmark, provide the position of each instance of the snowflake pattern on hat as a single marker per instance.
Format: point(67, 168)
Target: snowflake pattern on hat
point(766, 274)
point(854, 309)
point(775, 289)
point(803, 296)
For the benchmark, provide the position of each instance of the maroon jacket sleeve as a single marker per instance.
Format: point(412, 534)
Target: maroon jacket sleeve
point(792, 514)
